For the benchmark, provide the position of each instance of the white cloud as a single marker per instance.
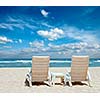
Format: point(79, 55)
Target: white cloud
point(27, 50)
point(80, 48)
point(20, 23)
point(53, 34)
point(8, 47)
point(44, 13)
point(46, 24)
point(60, 51)
point(4, 40)
point(14, 19)
point(70, 32)
point(11, 26)
point(6, 26)
point(11, 19)
point(37, 44)
point(20, 41)
point(2, 26)
point(16, 41)
point(55, 47)
point(30, 26)
point(81, 35)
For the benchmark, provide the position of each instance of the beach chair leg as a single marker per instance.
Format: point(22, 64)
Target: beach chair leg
point(28, 77)
point(49, 82)
point(30, 83)
point(89, 82)
point(49, 79)
point(65, 80)
point(70, 83)
point(89, 79)
point(53, 80)
point(53, 83)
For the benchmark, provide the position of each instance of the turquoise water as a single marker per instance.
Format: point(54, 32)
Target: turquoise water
point(53, 63)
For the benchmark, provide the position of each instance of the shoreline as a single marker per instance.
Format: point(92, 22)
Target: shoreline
point(12, 81)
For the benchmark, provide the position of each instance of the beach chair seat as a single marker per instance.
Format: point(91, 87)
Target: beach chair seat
point(40, 70)
point(79, 70)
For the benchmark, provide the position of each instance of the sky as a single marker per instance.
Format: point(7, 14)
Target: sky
point(57, 31)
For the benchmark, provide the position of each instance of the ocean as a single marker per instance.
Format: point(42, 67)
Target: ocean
point(13, 63)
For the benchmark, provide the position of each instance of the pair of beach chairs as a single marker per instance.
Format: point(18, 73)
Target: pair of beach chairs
point(40, 70)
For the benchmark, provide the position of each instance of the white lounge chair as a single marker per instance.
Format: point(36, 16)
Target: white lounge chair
point(79, 70)
point(39, 71)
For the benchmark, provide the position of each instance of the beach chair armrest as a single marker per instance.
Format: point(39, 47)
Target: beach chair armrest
point(29, 75)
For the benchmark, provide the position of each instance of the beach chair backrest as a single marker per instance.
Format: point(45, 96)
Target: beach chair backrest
point(40, 68)
point(79, 68)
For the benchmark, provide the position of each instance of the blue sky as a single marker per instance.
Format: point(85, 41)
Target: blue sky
point(58, 31)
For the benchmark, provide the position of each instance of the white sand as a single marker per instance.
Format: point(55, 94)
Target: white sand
point(12, 81)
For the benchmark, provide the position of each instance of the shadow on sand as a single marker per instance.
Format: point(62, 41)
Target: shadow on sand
point(35, 83)
point(43, 83)
point(77, 83)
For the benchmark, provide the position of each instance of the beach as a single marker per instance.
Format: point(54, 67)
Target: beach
point(12, 81)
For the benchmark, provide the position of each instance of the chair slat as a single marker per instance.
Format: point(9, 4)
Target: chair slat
point(40, 68)
point(79, 68)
